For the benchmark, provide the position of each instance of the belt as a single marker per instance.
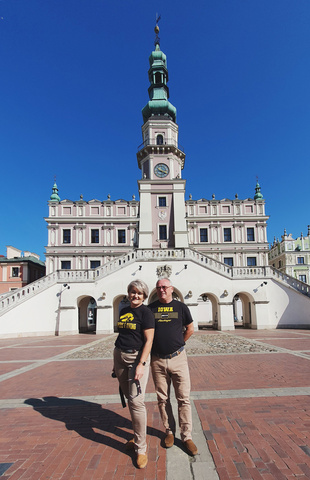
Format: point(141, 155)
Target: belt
point(130, 350)
point(171, 355)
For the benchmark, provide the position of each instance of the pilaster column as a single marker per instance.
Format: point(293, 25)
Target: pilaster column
point(226, 316)
point(104, 322)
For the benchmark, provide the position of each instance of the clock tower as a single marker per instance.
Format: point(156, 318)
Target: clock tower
point(161, 159)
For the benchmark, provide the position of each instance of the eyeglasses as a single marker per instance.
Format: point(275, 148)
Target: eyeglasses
point(163, 287)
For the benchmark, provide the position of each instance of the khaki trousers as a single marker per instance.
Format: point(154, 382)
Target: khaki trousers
point(125, 368)
point(176, 370)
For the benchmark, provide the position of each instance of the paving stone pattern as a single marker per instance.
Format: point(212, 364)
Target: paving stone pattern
point(61, 418)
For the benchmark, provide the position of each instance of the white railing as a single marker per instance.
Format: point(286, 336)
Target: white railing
point(22, 294)
point(16, 297)
point(291, 281)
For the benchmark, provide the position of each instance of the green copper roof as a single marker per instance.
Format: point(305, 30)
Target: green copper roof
point(158, 90)
point(55, 197)
point(258, 195)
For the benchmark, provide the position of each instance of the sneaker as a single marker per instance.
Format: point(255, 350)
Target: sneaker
point(130, 445)
point(142, 460)
point(190, 447)
point(169, 440)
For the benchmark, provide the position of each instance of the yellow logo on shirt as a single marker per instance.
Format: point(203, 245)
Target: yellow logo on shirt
point(124, 322)
point(127, 317)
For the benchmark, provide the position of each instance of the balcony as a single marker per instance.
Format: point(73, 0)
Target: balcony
point(152, 142)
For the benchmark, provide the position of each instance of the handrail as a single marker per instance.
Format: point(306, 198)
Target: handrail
point(16, 297)
point(152, 142)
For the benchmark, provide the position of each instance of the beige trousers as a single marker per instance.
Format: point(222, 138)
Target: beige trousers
point(173, 370)
point(125, 368)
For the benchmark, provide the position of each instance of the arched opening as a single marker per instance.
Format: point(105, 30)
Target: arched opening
point(207, 311)
point(243, 310)
point(158, 78)
point(159, 140)
point(87, 308)
point(120, 302)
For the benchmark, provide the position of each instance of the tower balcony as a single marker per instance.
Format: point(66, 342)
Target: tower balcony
point(149, 147)
point(152, 142)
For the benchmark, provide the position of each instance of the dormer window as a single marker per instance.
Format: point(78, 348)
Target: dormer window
point(159, 140)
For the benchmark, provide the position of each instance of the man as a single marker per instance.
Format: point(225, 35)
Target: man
point(173, 326)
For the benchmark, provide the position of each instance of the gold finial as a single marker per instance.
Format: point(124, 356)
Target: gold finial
point(156, 30)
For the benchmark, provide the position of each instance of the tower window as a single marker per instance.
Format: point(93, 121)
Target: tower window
point(301, 260)
point(121, 236)
point(66, 236)
point(158, 77)
point(95, 236)
point(227, 234)
point(250, 234)
point(162, 201)
point(251, 261)
point(162, 232)
point(159, 140)
point(203, 235)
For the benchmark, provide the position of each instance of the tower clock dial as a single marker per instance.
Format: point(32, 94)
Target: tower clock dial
point(161, 170)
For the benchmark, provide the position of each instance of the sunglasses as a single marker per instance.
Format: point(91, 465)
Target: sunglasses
point(164, 287)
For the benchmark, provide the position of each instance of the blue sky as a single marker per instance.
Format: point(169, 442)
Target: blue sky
point(74, 80)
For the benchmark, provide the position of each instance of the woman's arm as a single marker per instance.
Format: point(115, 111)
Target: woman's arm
point(148, 336)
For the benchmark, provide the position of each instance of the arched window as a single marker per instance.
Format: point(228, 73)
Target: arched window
point(159, 140)
point(157, 77)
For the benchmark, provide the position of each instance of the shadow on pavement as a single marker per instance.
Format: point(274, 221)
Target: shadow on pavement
point(83, 417)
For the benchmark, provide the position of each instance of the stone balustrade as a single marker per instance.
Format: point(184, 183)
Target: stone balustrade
point(16, 297)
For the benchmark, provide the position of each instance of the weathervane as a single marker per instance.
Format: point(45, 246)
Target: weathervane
point(156, 30)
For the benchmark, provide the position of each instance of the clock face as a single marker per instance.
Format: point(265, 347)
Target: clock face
point(161, 170)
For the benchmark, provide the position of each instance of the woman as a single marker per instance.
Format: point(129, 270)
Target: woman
point(131, 361)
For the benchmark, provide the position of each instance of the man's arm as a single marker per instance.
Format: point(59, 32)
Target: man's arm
point(188, 332)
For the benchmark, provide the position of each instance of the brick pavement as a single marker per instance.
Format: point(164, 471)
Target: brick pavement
point(60, 420)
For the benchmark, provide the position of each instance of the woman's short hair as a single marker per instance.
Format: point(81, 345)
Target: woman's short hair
point(139, 285)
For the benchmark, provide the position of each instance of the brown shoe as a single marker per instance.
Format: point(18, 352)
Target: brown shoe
point(130, 445)
point(169, 440)
point(190, 447)
point(142, 460)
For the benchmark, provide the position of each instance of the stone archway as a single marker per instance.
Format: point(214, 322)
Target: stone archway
point(244, 310)
point(120, 302)
point(207, 311)
point(87, 308)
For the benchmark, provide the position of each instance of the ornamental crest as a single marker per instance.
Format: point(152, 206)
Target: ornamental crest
point(162, 214)
point(164, 271)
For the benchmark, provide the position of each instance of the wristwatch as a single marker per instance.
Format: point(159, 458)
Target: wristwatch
point(143, 363)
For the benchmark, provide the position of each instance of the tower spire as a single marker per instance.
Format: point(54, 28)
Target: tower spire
point(158, 90)
point(258, 195)
point(55, 197)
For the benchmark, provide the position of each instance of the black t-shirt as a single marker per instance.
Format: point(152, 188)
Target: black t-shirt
point(170, 319)
point(132, 322)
